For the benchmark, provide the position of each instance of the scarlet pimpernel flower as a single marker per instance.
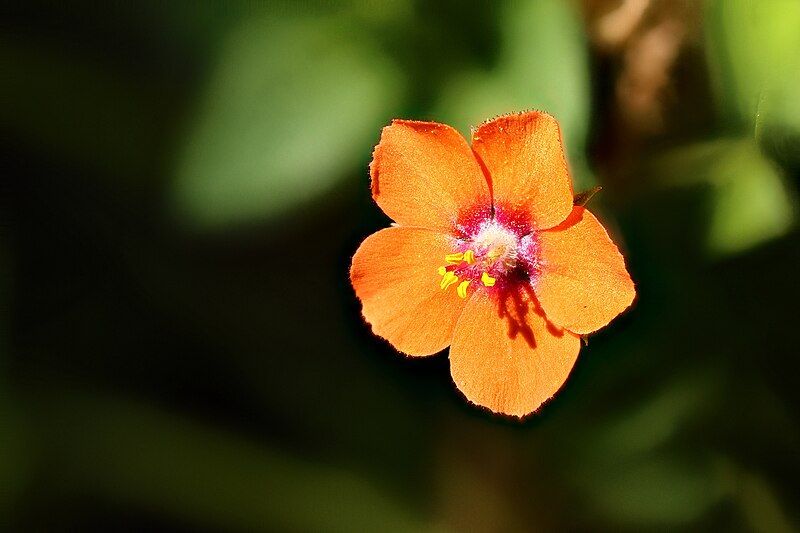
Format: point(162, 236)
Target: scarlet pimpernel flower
point(490, 255)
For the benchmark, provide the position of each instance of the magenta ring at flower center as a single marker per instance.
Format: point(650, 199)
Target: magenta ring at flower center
point(504, 247)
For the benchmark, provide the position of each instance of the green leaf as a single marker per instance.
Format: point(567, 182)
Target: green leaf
point(752, 204)
point(658, 491)
point(652, 422)
point(292, 106)
point(543, 65)
point(750, 201)
point(760, 505)
point(753, 53)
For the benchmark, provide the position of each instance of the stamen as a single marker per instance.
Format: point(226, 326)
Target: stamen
point(461, 290)
point(488, 280)
point(469, 257)
point(448, 279)
point(454, 258)
point(442, 270)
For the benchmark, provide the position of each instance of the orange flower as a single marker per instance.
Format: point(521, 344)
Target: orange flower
point(487, 255)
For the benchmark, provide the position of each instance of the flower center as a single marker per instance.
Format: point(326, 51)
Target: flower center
point(492, 253)
point(496, 244)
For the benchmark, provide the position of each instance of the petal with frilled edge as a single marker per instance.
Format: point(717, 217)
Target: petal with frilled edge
point(524, 156)
point(394, 274)
point(424, 174)
point(583, 283)
point(506, 357)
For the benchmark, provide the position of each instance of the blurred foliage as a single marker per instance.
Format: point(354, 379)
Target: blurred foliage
point(186, 183)
point(280, 87)
point(156, 461)
point(749, 201)
point(753, 49)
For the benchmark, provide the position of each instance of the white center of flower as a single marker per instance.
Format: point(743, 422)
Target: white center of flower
point(496, 243)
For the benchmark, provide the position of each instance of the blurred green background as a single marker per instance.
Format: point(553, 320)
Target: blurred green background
point(185, 183)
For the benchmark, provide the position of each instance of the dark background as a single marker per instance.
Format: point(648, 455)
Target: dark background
point(184, 184)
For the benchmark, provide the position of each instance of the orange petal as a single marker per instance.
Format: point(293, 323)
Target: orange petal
point(583, 283)
point(506, 357)
point(394, 274)
point(424, 174)
point(524, 156)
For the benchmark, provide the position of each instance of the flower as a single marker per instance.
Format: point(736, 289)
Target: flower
point(488, 255)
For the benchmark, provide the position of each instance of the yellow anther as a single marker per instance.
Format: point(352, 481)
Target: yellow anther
point(462, 289)
point(469, 257)
point(442, 270)
point(454, 258)
point(487, 280)
point(448, 279)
